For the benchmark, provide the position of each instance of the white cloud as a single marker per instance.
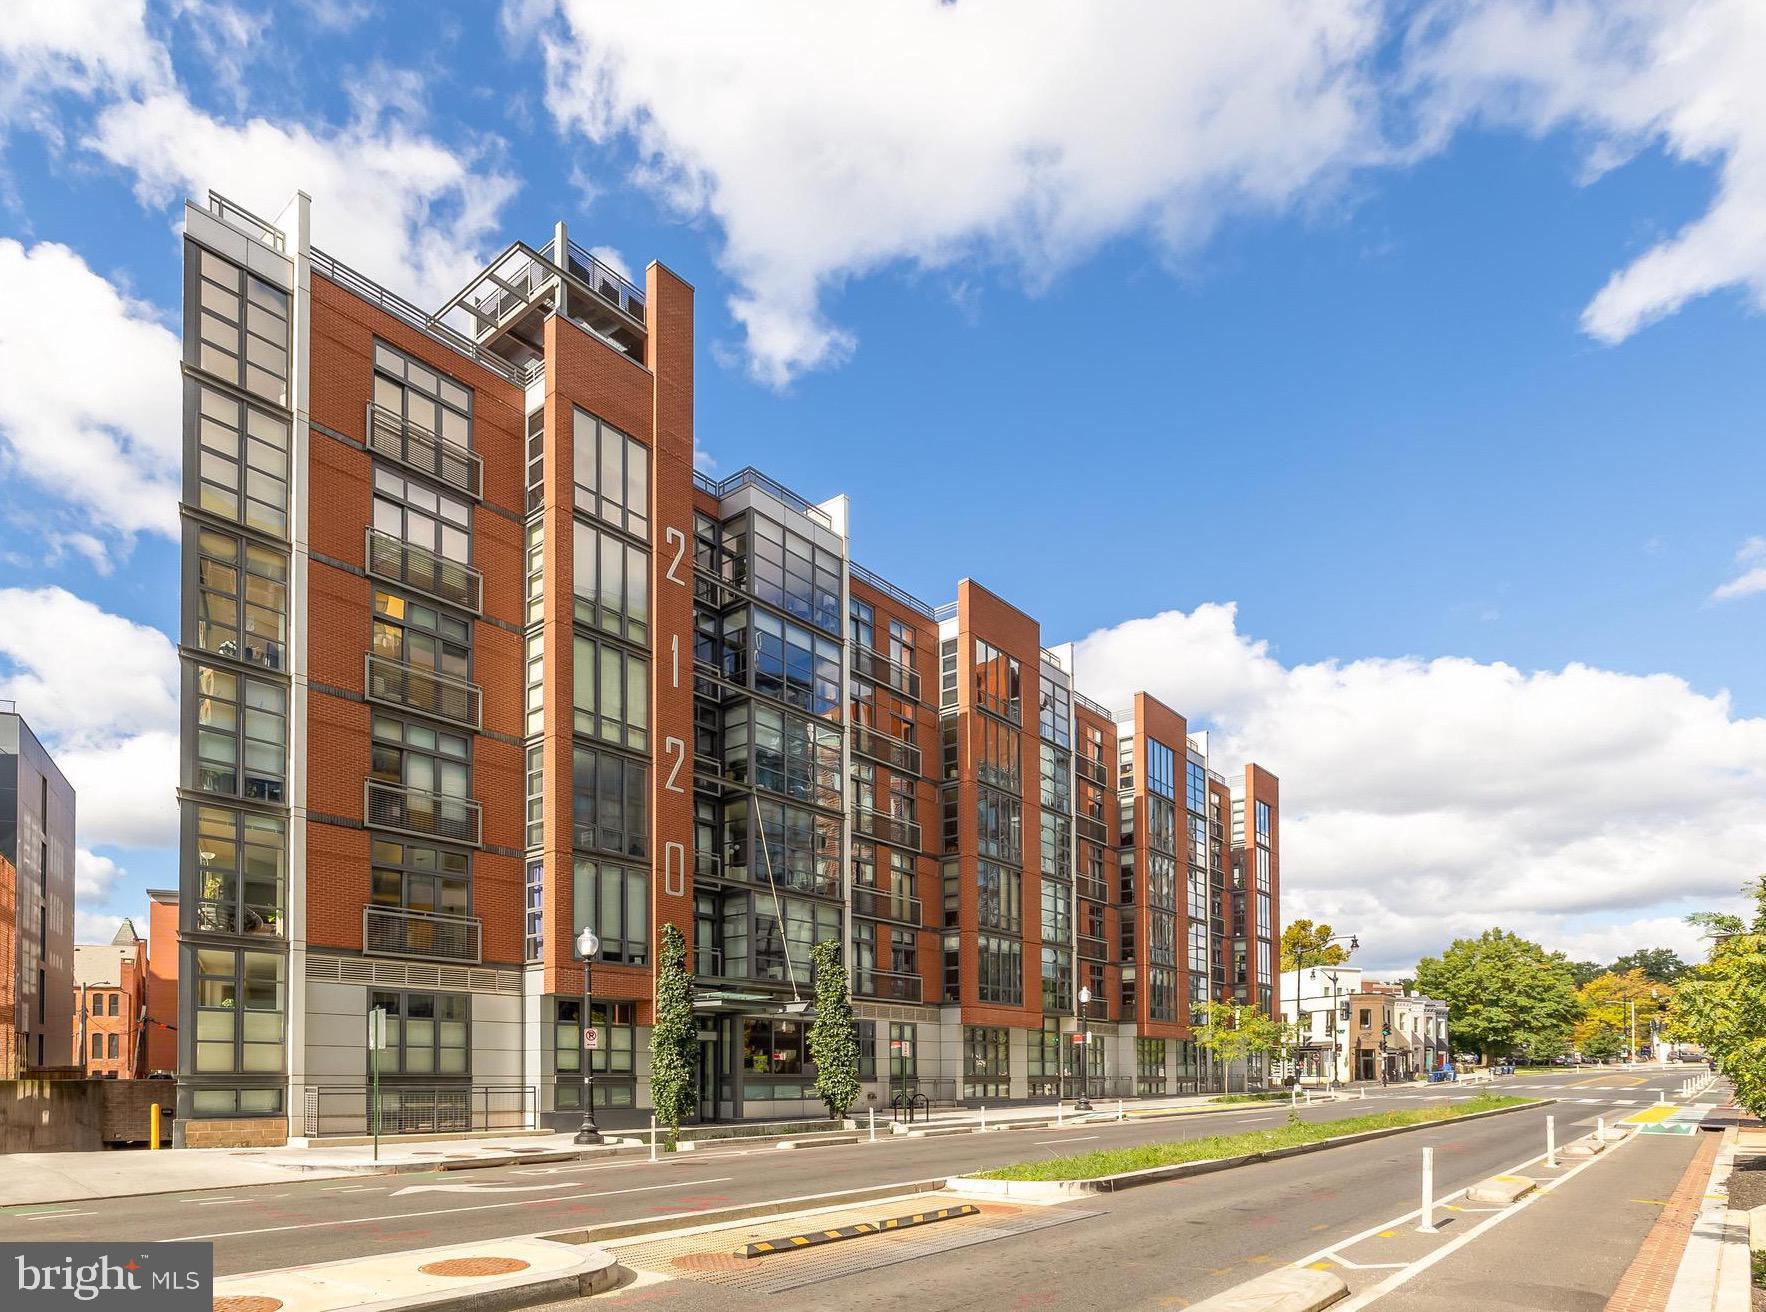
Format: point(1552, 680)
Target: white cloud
point(101, 46)
point(1751, 579)
point(829, 141)
point(1430, 798)
point(95, 927)
point(1630, 74)
point(94, 875)
point(105, 439)
point(102, 692)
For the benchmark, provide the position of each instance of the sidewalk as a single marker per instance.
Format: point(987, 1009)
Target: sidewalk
point(33, 1178)
point(1714, 1274)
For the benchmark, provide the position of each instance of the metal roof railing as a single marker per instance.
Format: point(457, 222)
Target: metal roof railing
point(889, 589)
point(752, 477)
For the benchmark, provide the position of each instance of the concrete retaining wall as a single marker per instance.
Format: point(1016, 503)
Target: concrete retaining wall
point(70, 1116)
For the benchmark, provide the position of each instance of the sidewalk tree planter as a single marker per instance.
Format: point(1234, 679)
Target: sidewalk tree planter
point(833, 1036)
point(674, 1039)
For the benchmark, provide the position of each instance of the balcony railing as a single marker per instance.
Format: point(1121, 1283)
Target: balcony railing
point(411, 566)
point(1092, 948)
point(868, 664)
point(889, 589)
point(442, 1109)
point(880, 747)
point(1096, 708)
point(399, 439)
point(886, 828)
point(1087, 768)
point(1092, 829)
point(881, 904)
point(428, 692)
point(708, 961)
point(1095, 889)
point(430, 935)
point(892, 985)
point(413, 811)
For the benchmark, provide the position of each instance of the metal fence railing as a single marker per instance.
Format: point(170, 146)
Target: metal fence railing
point(334, 1110)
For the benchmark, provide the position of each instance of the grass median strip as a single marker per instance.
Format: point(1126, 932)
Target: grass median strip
point(1115, 1161)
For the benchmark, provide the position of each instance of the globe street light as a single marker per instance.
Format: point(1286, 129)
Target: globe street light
point(588, 947)
point(1081, 1104)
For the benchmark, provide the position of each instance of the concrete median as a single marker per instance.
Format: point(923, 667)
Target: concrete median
point(1292, 1289)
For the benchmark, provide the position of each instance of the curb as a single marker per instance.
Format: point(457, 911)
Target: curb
point(1053, 1190)
point(1291, 1289)
point(647, 1225)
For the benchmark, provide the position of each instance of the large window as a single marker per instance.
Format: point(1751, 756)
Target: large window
point(426, 1033)
point(419, 878)
point(612, 475)
point(1001, 975)
point(421, 758)
point(790, 572)
point(806, 924)
point(610, 578)
point(1057, 978)
point(1149, 1067)
point(610, 803)
point(790, 846)
point(776, 1059)
point(240, 867)
point(1161, 769)
point(615, 900)
point(997, 754)
point(239, 1010)
point(241, 599)
point(241, 328)
point(998, 682)
point(241, 470)
point(986, 1062)
point(419, 395)
point(414, 512)
point(999, 897)
point(998, 832)
point(241, 734)
point(611, 693)
point(790, 663)
point(613, 1057)
point(414, 633)
point(797, 757)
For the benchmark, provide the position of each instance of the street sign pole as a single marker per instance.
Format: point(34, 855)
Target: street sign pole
point(376, 1041)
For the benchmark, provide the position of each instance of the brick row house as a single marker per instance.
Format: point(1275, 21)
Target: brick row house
point(474, 657)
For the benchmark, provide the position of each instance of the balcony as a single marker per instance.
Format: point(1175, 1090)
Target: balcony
point(1091, 948)
point(1095, 889)
point(428, 692)
point(886, 828)
point(396, 438)
point(881, 904)
point(428, 935)
point(868, 664)
point(413, 811)
point(891, 985)
point(1092, 770)
point(1093, 830)
point(883, 749)
point(412, 567)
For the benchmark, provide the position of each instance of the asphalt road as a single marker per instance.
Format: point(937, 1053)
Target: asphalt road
point(1168, 1245)
point(287, 1224)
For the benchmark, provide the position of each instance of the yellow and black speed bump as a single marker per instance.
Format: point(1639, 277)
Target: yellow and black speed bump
point(924, 1218)
point(791, 1243)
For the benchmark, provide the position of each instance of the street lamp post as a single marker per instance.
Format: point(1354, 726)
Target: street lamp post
point(1082, 1103)
point(588, 947)
point(1300, 984)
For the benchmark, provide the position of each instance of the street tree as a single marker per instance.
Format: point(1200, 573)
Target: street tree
point(1233, 1032)
point(1506, 996)
point(833, 1036)
point(1583, 971)
point(1307, 944)
point(1722, 1004)
point(674, 1039)
point(1611, 1004)
point(1663, 965)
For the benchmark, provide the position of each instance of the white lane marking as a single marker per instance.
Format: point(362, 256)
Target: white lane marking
point(352, 1188)
point(476, 1188)
point(203, 1201)
point(447, 1211)
point(1040, 1143)
point(49, 1216)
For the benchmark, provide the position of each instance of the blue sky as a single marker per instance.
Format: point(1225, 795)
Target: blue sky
point(1338, 357)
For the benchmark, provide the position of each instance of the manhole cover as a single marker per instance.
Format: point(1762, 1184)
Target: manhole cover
point(247, 1303)
point(467, 1266)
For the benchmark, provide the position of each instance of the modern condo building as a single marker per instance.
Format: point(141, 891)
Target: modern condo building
point(36, 902)
point(473, 657)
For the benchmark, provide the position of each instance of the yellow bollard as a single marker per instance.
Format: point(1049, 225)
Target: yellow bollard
point(153, 1127)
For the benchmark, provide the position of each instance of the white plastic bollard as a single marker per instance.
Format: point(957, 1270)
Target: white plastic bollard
point(1600, 1129)
point(1060, 1114)
point(873, 1125)
point(1120, 1114)
point(652, 1138)
point(1427, 1225)
point(1551, 1141)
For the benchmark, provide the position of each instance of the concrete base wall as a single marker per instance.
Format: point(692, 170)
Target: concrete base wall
point(71, 1116)
point(235, 1132)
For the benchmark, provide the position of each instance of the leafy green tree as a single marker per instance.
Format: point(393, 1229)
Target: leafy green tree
point(1610, 1003)
point(1233, 1032)
point(674, 1038)
point(1583, 971)
point(833, 1037)
point(1505, 995)
point(1663, 965)
point(1305, 944)
point(1722, 1004)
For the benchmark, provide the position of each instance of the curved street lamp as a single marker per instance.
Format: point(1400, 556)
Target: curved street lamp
point(1082, 1104)
point(588, 947)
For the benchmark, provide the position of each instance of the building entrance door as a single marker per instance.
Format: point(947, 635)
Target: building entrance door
point(717, 1100)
